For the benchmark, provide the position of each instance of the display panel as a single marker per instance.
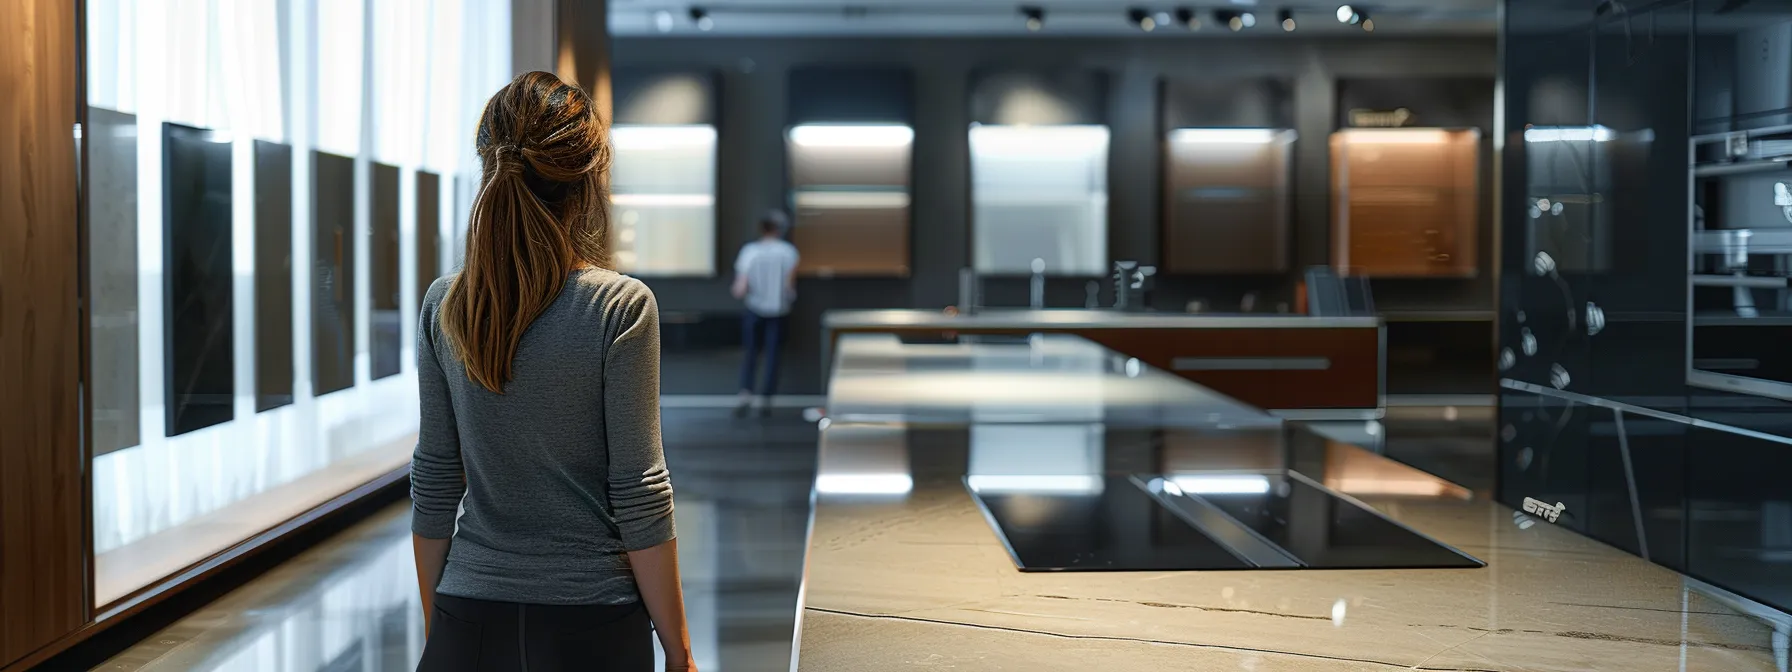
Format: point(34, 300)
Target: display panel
point(1406, 201)
point(850, 193)
point(429, 232)
point(662, 197)
point(1039, 192)
point(1227, 200)
point(273, 276)
point(332, 273)
point(112, 278)
point(199, 353)
point(386, 325)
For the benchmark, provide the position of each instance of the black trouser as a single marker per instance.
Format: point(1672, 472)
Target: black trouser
point(467, 635)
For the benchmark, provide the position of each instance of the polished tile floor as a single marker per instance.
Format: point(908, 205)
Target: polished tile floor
point(351, 603)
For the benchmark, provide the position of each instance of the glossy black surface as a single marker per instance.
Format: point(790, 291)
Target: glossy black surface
point(386, 324)
point(273, 275)
point(1118, 528)
point(1076, 497)
point(1324, 531)
point(198, 279)
point(332, 273)
point(1644, 476)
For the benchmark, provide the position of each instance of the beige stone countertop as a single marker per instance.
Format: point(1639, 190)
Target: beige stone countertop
point(916, 579)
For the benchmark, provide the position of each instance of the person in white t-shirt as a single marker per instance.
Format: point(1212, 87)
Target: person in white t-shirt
point(765, 280)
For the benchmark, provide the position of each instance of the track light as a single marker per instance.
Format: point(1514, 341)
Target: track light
point(1346, 14)
point(700, 16)
point(1035, 18)
point(1236, 21)
point(1141, 18)
point(1286, 18)
point(1368, 25)
point(1188, 19)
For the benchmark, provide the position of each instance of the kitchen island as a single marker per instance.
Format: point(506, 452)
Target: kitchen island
point(904, 569)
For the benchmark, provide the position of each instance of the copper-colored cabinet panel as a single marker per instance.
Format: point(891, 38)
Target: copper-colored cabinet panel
point(850, 198)
point(1405, 201)
point(1226, 200)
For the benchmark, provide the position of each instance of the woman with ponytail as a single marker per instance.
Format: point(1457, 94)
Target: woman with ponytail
point(542, 508)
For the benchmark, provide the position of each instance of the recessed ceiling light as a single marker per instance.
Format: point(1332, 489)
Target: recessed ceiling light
point(1141, 18)
point(1188, 19)
point(1286, 18)
point(1034, 18)
point(1346, 14)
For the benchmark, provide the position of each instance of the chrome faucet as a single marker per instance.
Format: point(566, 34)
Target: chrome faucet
point(1129, 284)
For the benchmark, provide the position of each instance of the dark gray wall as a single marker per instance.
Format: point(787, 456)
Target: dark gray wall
point(754, 113)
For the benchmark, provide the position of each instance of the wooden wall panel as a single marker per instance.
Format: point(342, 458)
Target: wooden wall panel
point(42, 567)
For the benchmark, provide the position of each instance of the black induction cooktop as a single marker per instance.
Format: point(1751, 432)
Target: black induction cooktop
point(1096, 524)
point(1156, 523)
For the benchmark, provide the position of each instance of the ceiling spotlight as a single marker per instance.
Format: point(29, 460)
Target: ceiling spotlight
point(1347, 14)
point(1286, 18)
point(1368, 25)
point(700, 16)
point(662, 21)
point(1162, 19)
point(1188, 19)
point(1035, 18)
point(1228, 19)
point(1248, 19)
point(1142, 19)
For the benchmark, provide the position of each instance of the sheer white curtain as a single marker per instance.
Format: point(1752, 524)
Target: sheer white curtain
point(400, 78)
point(341, 34)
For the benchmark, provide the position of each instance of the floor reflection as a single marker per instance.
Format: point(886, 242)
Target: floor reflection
point(351, 603)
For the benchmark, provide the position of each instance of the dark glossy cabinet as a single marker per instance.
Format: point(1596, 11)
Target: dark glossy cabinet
point(1640, 271)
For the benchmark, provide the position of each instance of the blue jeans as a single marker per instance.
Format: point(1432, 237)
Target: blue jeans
point(760, 333)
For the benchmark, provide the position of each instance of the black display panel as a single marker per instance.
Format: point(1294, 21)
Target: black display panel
point(332, 273)
point(429, 232)
point(198, 346)
point(385, 325)
point(1117, 527)
point(273, 275)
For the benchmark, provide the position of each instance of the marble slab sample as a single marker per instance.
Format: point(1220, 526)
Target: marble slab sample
point(112, 279)
point(332, 273)
point(386, 328)
point(429, 232)
point(198, 278)
point(273, 276)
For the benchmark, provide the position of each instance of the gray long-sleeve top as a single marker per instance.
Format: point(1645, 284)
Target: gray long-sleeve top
point(564, 471)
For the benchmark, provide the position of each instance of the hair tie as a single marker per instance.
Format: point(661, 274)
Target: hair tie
point(507, 159)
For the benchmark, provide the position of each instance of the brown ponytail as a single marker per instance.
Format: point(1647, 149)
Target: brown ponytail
point(540, 214)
